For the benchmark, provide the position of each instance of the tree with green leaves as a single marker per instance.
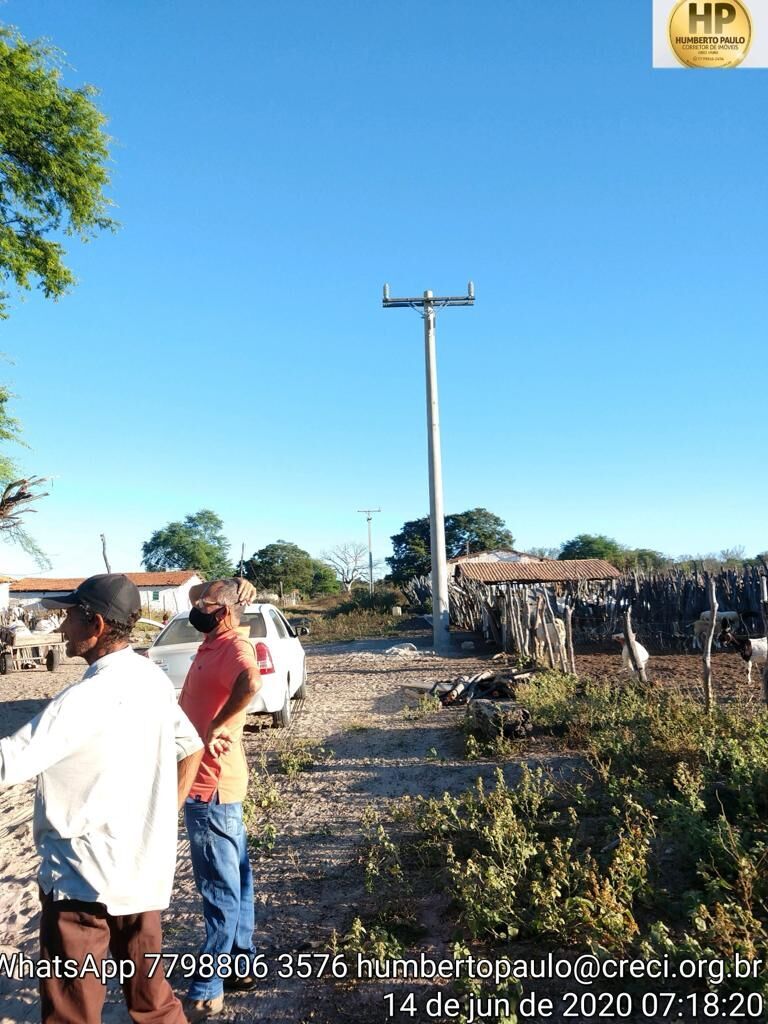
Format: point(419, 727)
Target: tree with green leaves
point(592, 545)
point(324, 579)
point(477, 529)
point(196, 543)
point(285, 564)
point(597, 545)
point(53, 167)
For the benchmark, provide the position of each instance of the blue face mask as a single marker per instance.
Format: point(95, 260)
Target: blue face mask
point(206, 622)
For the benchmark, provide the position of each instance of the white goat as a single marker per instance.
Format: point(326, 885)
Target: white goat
point(556, 632)
point(626, 662)
point(754, 650)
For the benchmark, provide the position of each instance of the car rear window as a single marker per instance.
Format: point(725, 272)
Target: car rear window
point(181, 632)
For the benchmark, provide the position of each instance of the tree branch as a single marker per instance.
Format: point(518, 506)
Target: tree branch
point(16, 496)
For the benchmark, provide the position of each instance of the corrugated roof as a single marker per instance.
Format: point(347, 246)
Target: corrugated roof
point(550, 571)
point(141, 579)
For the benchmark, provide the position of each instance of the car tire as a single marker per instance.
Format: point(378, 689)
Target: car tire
point(301, 693)
point(52, 660)
point(3, 664)
point(281, 718)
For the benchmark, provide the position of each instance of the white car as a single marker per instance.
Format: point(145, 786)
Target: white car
point(278, 651)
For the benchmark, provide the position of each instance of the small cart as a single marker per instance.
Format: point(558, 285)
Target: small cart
point(32, 650)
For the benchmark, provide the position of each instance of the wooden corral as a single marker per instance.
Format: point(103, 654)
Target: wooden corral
point(665, 605)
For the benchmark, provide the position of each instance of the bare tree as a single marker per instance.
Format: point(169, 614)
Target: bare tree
point(15, 499)
point(349, 561)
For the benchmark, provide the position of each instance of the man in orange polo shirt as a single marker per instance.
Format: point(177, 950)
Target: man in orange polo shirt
point(221, 682)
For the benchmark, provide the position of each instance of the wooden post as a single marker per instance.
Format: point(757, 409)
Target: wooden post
point(104, 551)
point(629, 639)
point(707, 653)
point(515, 622)
point(524, 621)
point(549, 617)
point(569, 638)
point(494, 626)
point(540, 618)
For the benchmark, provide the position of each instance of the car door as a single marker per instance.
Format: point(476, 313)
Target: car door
point(295, 652)
point(287, 649)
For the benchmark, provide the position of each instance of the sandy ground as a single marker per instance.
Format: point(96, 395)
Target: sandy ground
point(310, 882)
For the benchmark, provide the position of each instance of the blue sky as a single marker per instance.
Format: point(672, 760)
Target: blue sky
point(273, 165)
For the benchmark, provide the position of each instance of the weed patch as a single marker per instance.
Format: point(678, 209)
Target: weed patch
point(425, 705)
point(261, 800)
point(353, 625)
point(301, 757)
point(659, 849)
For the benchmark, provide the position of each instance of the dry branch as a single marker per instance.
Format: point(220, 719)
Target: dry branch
point(15, 498)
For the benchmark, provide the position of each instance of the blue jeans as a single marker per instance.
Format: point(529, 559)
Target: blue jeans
point(219, 849)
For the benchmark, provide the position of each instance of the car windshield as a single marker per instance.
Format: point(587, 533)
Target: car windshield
point(181, 632)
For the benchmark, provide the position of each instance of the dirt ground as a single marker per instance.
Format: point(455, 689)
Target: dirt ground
point(308, 876)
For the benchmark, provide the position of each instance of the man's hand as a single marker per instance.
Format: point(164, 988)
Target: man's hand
point(246, 591)
point(218, 741)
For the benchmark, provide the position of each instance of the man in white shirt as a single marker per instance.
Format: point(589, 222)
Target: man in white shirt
point(114, 757)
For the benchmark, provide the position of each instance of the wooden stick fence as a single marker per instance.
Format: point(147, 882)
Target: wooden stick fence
point(664, 607)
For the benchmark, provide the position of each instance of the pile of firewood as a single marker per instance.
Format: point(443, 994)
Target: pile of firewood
point(489, 697)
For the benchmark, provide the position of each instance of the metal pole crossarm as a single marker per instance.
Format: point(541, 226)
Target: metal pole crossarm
point(418, 302)
point(448, 300)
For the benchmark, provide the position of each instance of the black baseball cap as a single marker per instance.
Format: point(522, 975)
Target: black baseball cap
point(111, 595)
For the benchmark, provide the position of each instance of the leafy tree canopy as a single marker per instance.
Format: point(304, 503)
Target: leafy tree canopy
point(324, 580)
point(592, 545)
point(53, 155)
point(197, 543)
point(589, 545)
point(288, 564)
point(477, 529)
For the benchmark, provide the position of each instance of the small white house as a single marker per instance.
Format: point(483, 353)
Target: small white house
point(160, 591)
point(496, 555)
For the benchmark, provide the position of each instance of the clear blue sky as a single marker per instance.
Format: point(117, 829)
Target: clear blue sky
point(274, 164)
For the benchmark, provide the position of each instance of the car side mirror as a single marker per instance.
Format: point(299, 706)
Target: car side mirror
point(303, 631)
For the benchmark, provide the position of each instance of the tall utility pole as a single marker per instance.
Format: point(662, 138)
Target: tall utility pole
point(427, 306)
point(369, 516)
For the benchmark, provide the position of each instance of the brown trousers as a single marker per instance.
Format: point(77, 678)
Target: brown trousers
point(70, 929)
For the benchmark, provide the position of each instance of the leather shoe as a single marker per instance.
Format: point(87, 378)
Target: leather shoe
point(201, 1009)
point(239, 984)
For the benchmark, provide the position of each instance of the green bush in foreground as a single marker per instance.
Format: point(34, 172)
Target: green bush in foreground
point(660, 848)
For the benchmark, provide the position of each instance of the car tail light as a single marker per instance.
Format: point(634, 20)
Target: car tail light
point(264, 659)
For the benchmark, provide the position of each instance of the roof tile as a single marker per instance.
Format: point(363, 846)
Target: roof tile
point(550, 571)
point(141, 579)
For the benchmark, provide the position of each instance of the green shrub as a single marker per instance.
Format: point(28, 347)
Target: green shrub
point(661, 848)
point(381, 600)
point(352, 626)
